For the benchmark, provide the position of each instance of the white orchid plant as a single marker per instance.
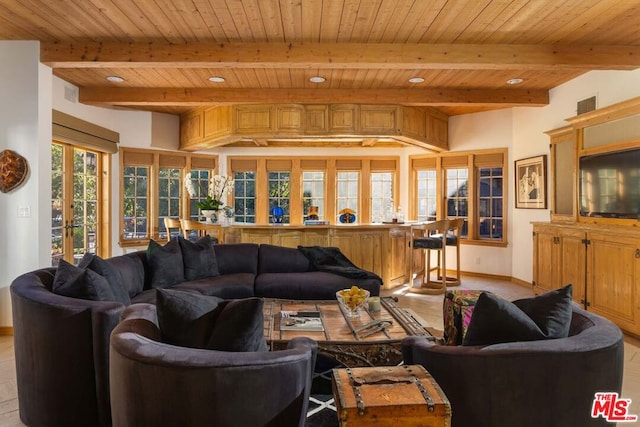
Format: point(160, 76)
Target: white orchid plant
point(219, 187)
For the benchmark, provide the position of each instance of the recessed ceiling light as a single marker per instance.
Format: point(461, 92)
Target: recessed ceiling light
point(216, 79)
point(515, 81)
point(317, 79)
point(416, 80)
point(115, 79)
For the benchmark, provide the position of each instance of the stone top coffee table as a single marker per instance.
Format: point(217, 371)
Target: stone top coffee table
point(341, 338)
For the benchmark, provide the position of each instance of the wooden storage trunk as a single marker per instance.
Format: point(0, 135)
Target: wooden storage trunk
point(389, 396)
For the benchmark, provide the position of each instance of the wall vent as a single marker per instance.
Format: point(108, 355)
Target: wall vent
point(71, 93)
point(586, 105)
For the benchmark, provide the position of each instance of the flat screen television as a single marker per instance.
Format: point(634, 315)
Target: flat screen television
point(610, 185)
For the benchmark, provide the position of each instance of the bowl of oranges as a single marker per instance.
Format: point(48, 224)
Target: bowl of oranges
point(352, 299)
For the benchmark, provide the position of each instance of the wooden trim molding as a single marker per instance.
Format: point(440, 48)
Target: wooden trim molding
point(6, 331)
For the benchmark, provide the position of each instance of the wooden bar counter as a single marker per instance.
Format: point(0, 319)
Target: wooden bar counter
point(381, 248)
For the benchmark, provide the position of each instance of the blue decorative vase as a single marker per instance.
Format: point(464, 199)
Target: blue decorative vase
point(277, 213)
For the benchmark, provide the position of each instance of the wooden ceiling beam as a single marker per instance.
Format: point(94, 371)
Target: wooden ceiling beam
point(417, 97)
point(338, 55)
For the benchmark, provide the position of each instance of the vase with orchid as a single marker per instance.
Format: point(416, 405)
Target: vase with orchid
point(219, 187)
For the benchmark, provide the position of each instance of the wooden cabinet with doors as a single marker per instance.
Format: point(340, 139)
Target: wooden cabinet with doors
point(613, 277)
point(399, 254)
point(586, 242)
point(602, 263)
point(559, 259)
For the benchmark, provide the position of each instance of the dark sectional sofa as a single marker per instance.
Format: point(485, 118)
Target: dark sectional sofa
point(62, 343)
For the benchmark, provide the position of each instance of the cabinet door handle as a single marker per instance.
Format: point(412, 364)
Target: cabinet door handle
point(637, 253)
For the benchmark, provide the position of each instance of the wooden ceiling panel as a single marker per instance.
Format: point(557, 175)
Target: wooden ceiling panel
point(453, 20)
point(270, 11)
point(518, 23)
point(310, 26)
point(467, 44)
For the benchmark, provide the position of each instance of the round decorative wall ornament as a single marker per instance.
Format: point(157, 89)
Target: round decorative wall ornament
point(13, 170)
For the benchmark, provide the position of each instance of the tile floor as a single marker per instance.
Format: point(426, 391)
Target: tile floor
point(428, 307)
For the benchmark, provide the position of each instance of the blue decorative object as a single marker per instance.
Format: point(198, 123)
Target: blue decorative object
point(277, 213)
point(347, 216)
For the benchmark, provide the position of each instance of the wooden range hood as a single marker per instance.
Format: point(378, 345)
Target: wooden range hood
point(314, 125)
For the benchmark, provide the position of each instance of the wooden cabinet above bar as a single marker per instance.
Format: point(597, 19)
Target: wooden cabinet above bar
point(380, 248)
point(278, 125)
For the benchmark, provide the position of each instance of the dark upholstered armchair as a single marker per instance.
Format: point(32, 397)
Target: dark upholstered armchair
point(153, 383)
point(534, 383)
point(62, 353)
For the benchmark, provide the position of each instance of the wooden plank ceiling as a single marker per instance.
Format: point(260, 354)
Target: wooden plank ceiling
point(367, 50)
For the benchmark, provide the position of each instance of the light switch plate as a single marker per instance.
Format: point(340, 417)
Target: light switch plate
point(24, 211)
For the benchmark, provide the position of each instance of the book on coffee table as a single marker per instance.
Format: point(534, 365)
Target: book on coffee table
point(301, 321)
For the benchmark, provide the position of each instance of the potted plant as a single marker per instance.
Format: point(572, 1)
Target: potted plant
point(219, 187)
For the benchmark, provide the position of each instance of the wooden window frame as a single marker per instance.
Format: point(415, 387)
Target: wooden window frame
point(155, 159)
point(324, 189)
point(328, 165)
point(473, 161)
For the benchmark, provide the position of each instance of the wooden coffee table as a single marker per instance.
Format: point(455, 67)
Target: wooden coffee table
point(340, 339)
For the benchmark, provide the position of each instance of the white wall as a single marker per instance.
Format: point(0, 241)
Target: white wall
point(25, 127)
point(469, 132)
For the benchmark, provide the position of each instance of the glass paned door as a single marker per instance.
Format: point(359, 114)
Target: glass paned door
point(75, 202)
point(57, 202)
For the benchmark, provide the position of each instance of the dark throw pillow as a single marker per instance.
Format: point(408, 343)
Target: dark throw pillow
point(165, 263)
point(95, 263)
point(551, 311)
point(199, 321)
point(186, 319)
point(75, 282)
point(198, 258)
point(496, 320)
point(240, 327)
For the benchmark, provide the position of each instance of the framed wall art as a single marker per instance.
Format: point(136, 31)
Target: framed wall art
point(13, 170)
point(531, 182)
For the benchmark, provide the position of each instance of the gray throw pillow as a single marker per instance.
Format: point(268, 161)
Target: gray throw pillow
point(551, 311)
point(198, 258)
point(199, 321)
point(496, 320)
point(165, 263)
point(95, 263)
point(75, 282)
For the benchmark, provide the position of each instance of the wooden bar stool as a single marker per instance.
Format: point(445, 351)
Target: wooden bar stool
point(425, 238)
point(453, 239)
point(428, 237)
point(171, 224)
point(201, 229)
